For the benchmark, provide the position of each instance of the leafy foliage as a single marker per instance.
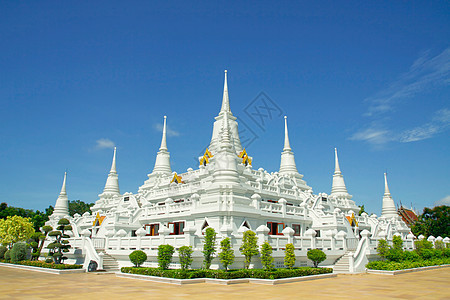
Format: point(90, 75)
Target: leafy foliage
point(37, 217)
point(8, 255)
point(383, 248)
point(249, 247)
point(138, 257)
point(266, 256)
point(232, 274)
point(59, 246)
point(33, 242)
point(392, 265)
point(316, 256)
point(185, 254)
point(209, 247)
point(42, 264)
point(289, 256)
point(433, 221)
point(14, 229)
point(419, 246)
point(19, 252)
point(3, 249)
point(226, 255)
point(165, 254)
point(79, 207)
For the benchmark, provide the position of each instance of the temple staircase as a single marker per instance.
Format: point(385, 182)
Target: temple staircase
point(342, 264)
point(109, 263)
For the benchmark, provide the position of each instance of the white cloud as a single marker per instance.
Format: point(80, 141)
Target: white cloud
point(170, 132)
point(439, 123)
point(443, 201)
point(104, 144)
point(372, 136)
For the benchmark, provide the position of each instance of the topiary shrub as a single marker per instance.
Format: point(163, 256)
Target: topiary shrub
point(59, 246)
point(289, 256)
point(138, 257)
point(316, 256)
point(19, 252)
point(266, 256)
point(226, 255)
point(249, 247)
point(209, 247)
point(3, 249)
point(165, 253)
point(185, 254)
point(8, 255)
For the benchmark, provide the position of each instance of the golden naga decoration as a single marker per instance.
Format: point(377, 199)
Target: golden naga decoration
point(205, 159)
point(98, 220)
point(352, 220)
point(176, 178)
point(246, 160)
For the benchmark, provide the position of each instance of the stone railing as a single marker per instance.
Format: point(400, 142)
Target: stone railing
point(168, 208)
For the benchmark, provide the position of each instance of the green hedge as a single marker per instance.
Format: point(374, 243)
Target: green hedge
point(232, 274)
point(43, 264)
point(402, 265)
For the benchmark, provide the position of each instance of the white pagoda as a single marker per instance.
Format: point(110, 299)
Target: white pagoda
point(225, 192)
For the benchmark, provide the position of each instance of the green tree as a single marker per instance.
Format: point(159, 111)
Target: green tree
point(289, 256)
point(37, 218)
point(14, 229)
point(361, 210)
point(316, 256)
point(165, 254)
point(266, 256)
point(60, 245)
point(209, 247)
point(19, 252)
point(185, 254)
point(33, 242)
point(397, 243)
point(383, 248)
point(79, 207)
point(226, 255)
point(138, 257)
point(433, 221)
point(249, 247)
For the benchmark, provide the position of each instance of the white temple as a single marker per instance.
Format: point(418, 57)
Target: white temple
point(225, 192)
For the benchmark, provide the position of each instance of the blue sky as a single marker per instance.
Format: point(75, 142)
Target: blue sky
point(372, 79)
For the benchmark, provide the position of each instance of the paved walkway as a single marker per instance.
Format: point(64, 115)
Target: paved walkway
point(20, 284)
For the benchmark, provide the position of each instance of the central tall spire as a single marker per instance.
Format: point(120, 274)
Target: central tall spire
point(225, 99)
point(388, 210)
point(112, 182)
point(62, 203)
point(162, 163)
point(338, 188)
point(287, 164)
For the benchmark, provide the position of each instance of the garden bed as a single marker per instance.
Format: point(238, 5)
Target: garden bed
point(397, 272)
point(257, 276)
point(403, 265)
point(40, 266)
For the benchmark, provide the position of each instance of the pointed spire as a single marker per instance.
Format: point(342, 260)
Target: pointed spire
point(62, 203)
point(338, 187)
point(386, 187)
point(225, 99)
point(164, 138)
point(113, 165)
point(287, 145)
point(225, 136)
point(388, 210)
point(162, 163)
point(337, 169)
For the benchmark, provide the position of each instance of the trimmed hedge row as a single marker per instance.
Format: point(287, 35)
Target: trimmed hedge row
point(393, 265)
point(231, 274)
point(43, 264)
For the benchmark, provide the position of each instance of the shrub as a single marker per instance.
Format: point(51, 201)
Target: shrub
point(382, 248)
point(185, 254)
point(410, 256)
point(289, 256)
point(138, 257)
point(8, 255)
point(226, 255)
point(209, 248)
point(3, 249)
point(391, 265)
point(266, 256)
point(397, 243)
point(423, 244)
point(249, 247)
point(19, 252)
point(394, 255)
point(316, 256)
point(439, 245)
point(165, 253)
point(42, 264)
point(59, 246)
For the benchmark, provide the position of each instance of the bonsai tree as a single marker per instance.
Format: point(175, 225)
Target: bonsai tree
point(138, 257)
point(59, 246)
point(316, 256)
point(185, 254)
point(209, 247)
point(249, 247)
point(226, 255)
point(289, 256)
point(33, 242)
point(266, 256)
point(165, 254)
